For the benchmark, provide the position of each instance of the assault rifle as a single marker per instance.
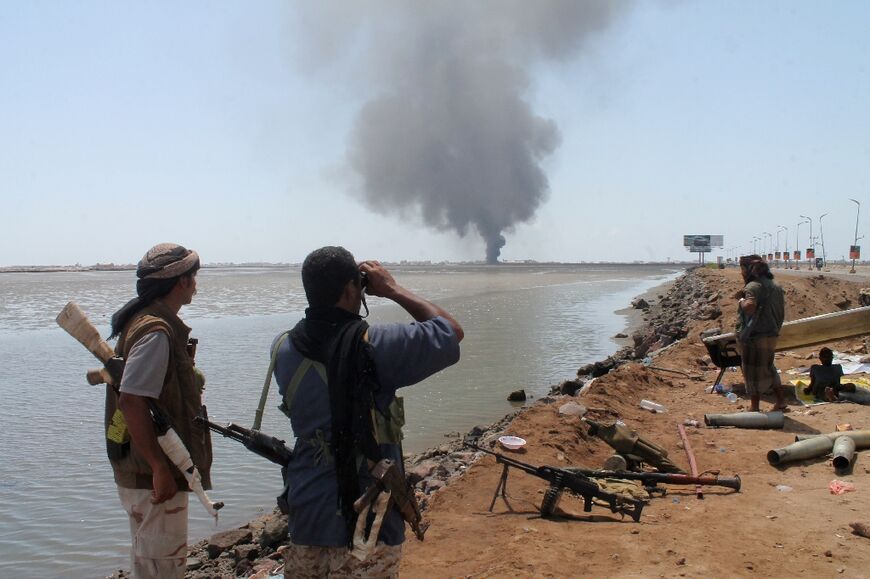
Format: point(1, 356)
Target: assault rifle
point(561, 479)
point(268, 447)
point(650, 480)
point(271, 448)
point(390, 487)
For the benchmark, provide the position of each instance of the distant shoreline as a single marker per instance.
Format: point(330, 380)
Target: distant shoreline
point(267, 265)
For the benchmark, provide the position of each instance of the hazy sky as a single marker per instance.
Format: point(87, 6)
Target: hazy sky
point(239, 128)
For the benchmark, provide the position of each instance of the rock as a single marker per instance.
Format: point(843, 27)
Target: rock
point(620, 336)
point(829, 553)
point(572, 409)
point(221, 542)
point(681, 561)
point(570, 387)
point(246, 551)
point(861, 529)
point(274, 531)
point(517, 396)
point(433, 485)
point(421, 471)
point(193, 563)
point(243, 567)
point(640, 304)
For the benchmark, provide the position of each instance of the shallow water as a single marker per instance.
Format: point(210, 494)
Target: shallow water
point(526, 326)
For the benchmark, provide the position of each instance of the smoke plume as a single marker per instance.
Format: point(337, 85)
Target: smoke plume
point(449, 133)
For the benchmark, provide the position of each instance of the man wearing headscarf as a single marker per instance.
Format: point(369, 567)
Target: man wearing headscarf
point(762, 309)
point(338, 378)
point(159, 357)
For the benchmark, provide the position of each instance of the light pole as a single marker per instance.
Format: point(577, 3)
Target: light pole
point(769, 243)
point(822, 235)
point(856, 231)
point(785, 251)
point(797, 245)
point(810, 244)
point(776, 249)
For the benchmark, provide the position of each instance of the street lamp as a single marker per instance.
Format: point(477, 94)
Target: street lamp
point(777, 254)
point(797, 245)
point(856, 231)
point(811, 246)
point(786, 246)
point(822, 235)
point(769, 243)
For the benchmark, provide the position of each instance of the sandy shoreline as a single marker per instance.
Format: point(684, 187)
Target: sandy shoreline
point(456, 485)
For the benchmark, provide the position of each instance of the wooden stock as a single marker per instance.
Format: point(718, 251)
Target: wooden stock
point(76, 323)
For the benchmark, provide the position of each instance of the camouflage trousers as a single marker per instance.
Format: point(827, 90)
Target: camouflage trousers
point(308, 562)
point(159, 534)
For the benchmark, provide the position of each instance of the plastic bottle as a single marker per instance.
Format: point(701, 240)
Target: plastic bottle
point(691, 422)
point(652, 406)
point(731, 396)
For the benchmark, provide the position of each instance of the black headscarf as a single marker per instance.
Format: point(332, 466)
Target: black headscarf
point(334, 337)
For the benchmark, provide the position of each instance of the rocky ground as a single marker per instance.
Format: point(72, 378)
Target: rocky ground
point(762, 530)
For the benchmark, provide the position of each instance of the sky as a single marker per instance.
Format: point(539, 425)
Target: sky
point(259, 131)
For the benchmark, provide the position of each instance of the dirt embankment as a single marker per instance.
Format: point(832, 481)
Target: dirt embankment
point(768, 529)
point(761, 531)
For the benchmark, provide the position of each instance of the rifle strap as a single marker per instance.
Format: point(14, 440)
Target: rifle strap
point(301, 371)
point(264, 395)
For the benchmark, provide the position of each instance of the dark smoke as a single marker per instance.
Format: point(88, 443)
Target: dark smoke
point(451, 135)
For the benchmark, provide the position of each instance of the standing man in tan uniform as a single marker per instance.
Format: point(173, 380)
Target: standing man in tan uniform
point(159, 369)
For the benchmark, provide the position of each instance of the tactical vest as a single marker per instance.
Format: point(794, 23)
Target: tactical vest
point(180, 399)
point(387, 427)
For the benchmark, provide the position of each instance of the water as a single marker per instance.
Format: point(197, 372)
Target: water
point(526, 326)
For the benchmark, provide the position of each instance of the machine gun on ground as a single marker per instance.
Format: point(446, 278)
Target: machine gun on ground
point(651, 480)
point(560, 480)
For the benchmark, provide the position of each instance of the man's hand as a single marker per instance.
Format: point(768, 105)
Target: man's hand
point(381, 284)
point(138, 417)
point(164, 485)
point(380, 281)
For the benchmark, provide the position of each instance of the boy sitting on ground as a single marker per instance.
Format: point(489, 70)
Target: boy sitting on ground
point(825, 377)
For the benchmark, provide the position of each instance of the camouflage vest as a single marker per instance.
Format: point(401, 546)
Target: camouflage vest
point(180, 399)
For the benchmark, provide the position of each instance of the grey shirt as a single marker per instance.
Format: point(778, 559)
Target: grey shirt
point(145, 368)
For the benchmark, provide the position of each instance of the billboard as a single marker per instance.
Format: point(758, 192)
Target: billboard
point(703, 243)
point(811, 253)
point(797, 255)
point(854, 252)
point(778, 255)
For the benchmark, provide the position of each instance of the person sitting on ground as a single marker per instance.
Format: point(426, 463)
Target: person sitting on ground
point(824, 376)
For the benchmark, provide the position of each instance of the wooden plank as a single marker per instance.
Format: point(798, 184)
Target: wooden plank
point(814, 330)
